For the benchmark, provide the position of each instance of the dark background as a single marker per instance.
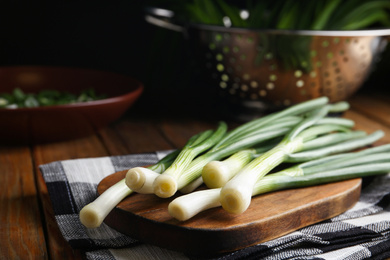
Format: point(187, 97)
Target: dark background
point(105, 35)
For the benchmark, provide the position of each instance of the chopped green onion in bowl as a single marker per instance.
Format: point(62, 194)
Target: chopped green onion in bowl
point(21, 99)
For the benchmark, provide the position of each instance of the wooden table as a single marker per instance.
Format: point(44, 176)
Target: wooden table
point(28, 229)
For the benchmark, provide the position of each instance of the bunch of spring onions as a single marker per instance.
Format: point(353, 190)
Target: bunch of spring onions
point(258, 134)
point(246, 154)
point(332, 168)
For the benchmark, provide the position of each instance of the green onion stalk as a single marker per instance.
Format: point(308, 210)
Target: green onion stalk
point(141, 180)
point(93, 214)
point(252, 134)
point(165, 185)
point(245, 136)
point(332, 168)
point(236, 193)
point(216, 174)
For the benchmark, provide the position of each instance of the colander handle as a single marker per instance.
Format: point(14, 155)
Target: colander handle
point(162, 18)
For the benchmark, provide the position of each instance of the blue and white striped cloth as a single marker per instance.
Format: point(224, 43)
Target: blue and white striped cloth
point(362, 232)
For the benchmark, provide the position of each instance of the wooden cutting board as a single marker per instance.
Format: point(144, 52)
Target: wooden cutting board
point(146, 218)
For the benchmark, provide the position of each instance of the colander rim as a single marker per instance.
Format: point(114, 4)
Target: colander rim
point(340, 33)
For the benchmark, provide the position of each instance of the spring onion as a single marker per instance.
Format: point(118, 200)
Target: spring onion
point(93, 214)
point(254, 132)
point(371, 161)
point(217, 173)
point(236, 194)
point(165, 185)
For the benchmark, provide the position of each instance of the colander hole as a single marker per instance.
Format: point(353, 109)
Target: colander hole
point(313, 74)
point(218, 37)
point(226, 49)
point(262, 93)
point(232, 60)
point(298, 73)
point(313, 53)
point(246, 76)
point(225, 77)
point(250, 40)
point(345, 59)
point(328, 83)
point(318, 64)
point(270, 85)
point(212, 46)
point(304, 64)
point(334, 63)
point(237, 79)
point(339, 79)
point(254, 84)
point(272, 77)
point(287, 102)
point(223, 84)
point(236, 49)
point(219, 57)
point(329, 55)
point(244, 87)
point(243, 57)
point(232, 91)
point(313, 84)
point(300, 83)
point(253, 96)
point(220, 67)
point(336, 40)
point(302, 92)
point(326, 74)
point(341, 52)
point(325, 44)
point(337, 70)
point(268, 56)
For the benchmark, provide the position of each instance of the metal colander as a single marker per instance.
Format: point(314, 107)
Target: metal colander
point(281, 67)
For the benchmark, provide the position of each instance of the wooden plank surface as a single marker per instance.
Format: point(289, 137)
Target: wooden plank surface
point(21, 231)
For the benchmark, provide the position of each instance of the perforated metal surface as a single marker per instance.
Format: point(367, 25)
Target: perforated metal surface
point(283, 68)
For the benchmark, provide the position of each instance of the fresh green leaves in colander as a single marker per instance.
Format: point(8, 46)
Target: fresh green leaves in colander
point(288, 14)
point(20, 99)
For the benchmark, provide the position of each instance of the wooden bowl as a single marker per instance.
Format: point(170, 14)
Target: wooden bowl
point(51, 123)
